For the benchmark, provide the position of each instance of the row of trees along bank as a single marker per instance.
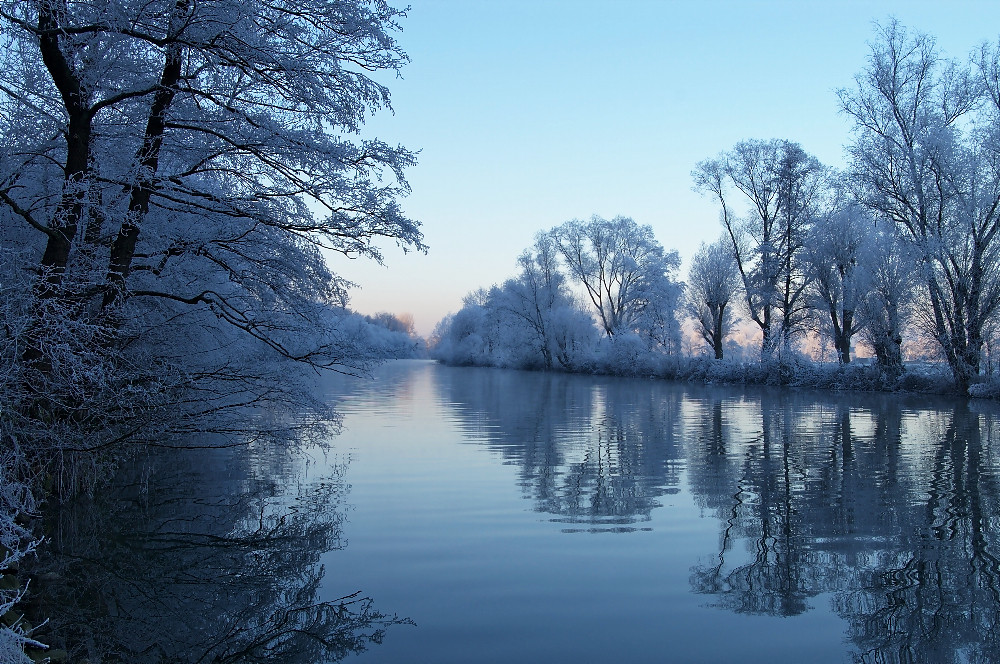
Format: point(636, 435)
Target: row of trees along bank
point(904, 241)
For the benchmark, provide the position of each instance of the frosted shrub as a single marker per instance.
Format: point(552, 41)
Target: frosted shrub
point(625, 355)
point(986, 390)
point(574, 339)
point(16, 542)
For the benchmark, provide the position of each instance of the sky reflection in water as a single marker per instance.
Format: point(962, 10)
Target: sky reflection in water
point(528, 517)
point(541, 517)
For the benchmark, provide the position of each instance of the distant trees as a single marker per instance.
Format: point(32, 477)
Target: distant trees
point(402, 323)
point(624, 271)
point(778, 185)
point(535, 320)
point(920, 204)
point(924, 157)
point(836, 245)
point(712, 288)
point(395, 335)
point(907, 237)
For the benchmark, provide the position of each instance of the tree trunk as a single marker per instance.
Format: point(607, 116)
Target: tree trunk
point(717, 334)
point(845, 353)
point(68, 213)
point(889, 354)
point(123, 247)
point(768, 341)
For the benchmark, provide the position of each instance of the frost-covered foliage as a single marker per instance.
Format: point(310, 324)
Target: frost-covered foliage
point(924, 158)
point(989, 389)
point(533, 321)
point(16, 542)
point(625, 354)
point(768, 192)
point(171, 174)
point(801, 372)
point(166, 368)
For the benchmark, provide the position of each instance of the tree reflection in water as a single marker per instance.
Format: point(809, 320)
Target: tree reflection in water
point(891, 515)
point(204, 555)
point(935, 597)
point(594, 453)
point(886, 505)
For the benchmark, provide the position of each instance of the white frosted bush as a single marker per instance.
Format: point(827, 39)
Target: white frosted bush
point(17, 542)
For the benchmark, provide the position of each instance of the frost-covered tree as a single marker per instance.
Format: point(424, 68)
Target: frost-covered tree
point(779, 185)
point(530, 322)
point(712, 288)
point(624, 271)
point(147, 143)
point(536, 298)
point(121, 113)
point(457, 338)
point(890, 278)
point(171, 174)
point(924, 157)
point(835, 247)
point(658, 322)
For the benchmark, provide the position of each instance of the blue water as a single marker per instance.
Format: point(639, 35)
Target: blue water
point(520, 517)
point(502, 516)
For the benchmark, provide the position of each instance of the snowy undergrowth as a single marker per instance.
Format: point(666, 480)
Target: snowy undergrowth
point(628, 356)
point(16, 542)
point(988, 389)
point(805, 373)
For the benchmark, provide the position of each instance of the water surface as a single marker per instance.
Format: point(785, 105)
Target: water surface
point(542, 517)
point(529, 517)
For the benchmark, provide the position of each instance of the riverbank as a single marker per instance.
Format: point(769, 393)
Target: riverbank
point(860, 376)
point(924, 378)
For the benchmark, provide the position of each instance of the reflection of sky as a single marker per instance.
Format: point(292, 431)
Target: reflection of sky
point(441, 529)
point(801, 504)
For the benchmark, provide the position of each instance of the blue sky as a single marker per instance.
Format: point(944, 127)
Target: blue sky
point(531, 113)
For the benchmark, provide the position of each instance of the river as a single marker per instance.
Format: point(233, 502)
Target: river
point(484, 515)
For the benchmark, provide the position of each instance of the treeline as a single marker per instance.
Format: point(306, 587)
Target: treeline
point(537, 320)
point(399, 335)
point(901, 244)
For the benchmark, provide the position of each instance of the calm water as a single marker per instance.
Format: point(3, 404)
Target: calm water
point(519, 517)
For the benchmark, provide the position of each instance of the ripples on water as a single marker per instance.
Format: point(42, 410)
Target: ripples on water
point(541, 517)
